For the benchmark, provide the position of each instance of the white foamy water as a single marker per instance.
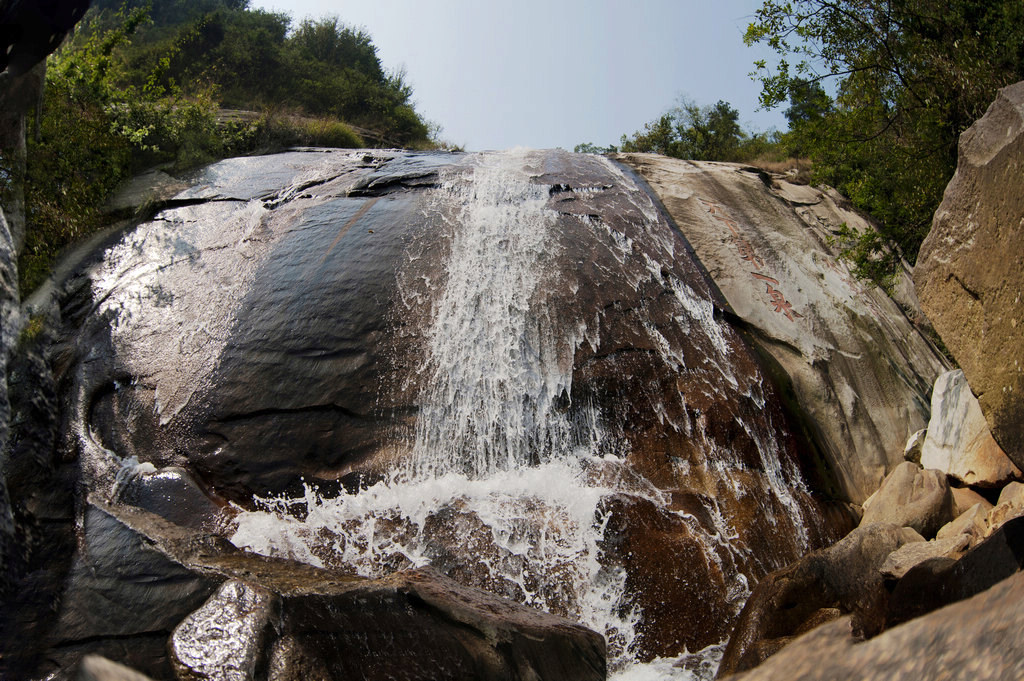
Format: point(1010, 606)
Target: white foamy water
point(505, 485)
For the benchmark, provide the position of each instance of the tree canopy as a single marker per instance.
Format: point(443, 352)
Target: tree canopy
point(909, 77)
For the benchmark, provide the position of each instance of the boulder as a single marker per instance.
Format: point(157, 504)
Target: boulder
point(970, 269)
point(907, 556)
point(857, 369)
point(938, 582)
point(844, 578)
point(1009, 505)
point(959, 442)
point(964, 498)
point(912, 497)
point(912, 450)
point(146, 585)
point(978, 640)
point(973, 522)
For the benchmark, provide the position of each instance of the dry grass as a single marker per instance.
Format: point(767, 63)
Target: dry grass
point(796, 170)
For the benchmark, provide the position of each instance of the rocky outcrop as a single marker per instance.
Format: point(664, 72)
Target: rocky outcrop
point(912, 497)
point(958, 441)
point(856, 363)
point(842, 579)
point(863, 575)
point(145, 586)
point(978, 640)
point(970, 269)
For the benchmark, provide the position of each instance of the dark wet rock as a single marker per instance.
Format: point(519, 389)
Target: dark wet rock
point(912, 497)
point(977, 639)
point(224, 638)
point(141, 578)
point(174, 495)
point(844, 577)
point(859, 369)
point(970, 269)
point(98, 668)
point(666, 563)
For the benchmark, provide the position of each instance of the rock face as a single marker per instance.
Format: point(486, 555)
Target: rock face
point(958, 441)
point(912, 497)
point(857, 364)
point(977, 639)
point(844, 578)
point(324, 319)
point(151, 586)
point(970, 270)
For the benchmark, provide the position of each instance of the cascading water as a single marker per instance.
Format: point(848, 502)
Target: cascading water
point(507, 482)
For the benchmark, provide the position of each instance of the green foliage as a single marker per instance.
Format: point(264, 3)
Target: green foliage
point(910, 76)
point(589, 148)
point(708, 133)
point(141, 86)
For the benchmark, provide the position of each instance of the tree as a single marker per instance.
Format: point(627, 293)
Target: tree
point(910, 76)
point(708, 133)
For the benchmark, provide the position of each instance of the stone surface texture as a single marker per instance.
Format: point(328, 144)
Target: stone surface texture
point(907, 556)
point(958, 441)
point(857, 364)
point(151, 585)
point(844, 578)
point(97, 668)
point(970, 269)
point(979, 639)
point(912, 497)
point(973, 522)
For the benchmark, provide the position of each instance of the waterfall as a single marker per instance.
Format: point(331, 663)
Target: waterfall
point(507, 472)
point(494, 378)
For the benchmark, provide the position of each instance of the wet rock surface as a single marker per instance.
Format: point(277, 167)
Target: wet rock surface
point(970, 267)
point(844, 578)
point(268, 329)
point(224, 613)
point(764, 243)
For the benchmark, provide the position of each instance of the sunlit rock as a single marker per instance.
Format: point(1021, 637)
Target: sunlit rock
point(970, 270)
point(858, 366)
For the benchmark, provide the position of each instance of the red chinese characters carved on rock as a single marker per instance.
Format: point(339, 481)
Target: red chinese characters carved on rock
point(746, 251)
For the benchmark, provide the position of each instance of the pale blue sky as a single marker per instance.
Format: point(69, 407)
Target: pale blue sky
point(553, 73)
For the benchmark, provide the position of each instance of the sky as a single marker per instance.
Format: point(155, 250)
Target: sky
point(556, 73)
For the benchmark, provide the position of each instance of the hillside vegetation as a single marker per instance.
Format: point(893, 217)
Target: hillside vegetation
point(908, 77)
point(141, 84)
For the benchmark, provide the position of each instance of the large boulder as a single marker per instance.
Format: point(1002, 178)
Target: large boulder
point(144, 586)
point(856, 363)
point(970, 269)
point(912, 497)
point(842, 579)
point(976, 640)
point(958, 441)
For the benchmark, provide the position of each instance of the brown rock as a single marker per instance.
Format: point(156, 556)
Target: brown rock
point(970, 269)
point(907, 556)
point(1009, 505)
point(856, 365)
point(979, 639)
point(964, 498)
point(973, 522)
point(912, 497)
point(844, 577)
point(958, 441)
